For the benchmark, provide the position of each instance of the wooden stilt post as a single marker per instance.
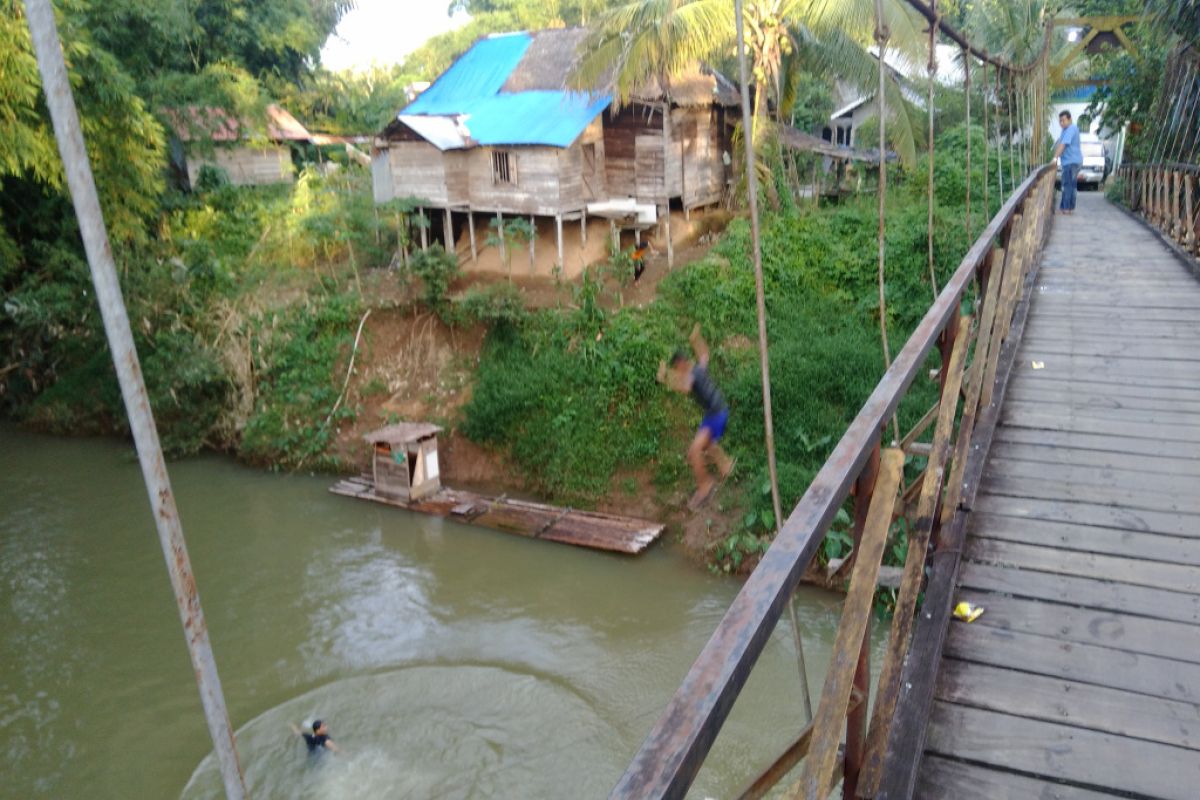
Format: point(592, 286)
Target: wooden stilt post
point(670, 245)
point(500, 236)
point(471, 231)
point(558, 238)
point(448, 233)
point(683, 175)
point(613, 235)
point(583, 226)
point(532, 240)
point(424, 226)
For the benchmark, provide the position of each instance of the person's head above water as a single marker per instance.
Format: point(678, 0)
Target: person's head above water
point(319, 726)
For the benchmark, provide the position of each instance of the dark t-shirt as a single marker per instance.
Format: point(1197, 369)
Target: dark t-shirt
point(705, 392)
point(316, 741)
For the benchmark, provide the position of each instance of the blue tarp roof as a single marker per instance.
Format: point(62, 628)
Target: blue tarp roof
point(470, 88)
point(545, 118)
point(477, 74)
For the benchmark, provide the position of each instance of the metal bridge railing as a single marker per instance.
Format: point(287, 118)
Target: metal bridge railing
point(976, 352)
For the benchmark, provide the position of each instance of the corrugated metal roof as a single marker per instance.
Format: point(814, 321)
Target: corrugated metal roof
point(283, 126)
point(444, 133)
point(402, 433)
point(193, 122)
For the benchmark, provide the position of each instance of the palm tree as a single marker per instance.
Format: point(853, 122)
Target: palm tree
point(644, 42)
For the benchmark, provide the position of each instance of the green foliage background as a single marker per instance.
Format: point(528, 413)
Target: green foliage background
point(571, 394)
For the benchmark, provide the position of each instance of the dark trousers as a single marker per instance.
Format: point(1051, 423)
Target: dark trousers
point(1069, 171)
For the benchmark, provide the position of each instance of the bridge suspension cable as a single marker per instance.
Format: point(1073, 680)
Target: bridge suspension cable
point(1163, 185)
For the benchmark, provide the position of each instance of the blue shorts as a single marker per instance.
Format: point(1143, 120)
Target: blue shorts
point(715, 423)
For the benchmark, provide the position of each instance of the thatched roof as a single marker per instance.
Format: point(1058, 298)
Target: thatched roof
point(553, 54)
point(806, 142)
point(548, 62)
point(700, 86)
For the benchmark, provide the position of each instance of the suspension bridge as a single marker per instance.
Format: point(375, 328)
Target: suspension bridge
point(1063, 506)
point(1054, 492)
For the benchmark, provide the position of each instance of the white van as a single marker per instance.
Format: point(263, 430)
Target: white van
point(1093, 170)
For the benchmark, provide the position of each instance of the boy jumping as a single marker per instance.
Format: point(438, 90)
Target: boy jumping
point(692, 378)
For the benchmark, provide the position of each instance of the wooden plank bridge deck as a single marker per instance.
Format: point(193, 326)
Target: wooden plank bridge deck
point(1082, 677)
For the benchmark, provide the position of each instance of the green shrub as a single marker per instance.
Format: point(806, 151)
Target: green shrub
point(437, 269)
point(571, 395)
point(211, 178)
point(1116, 191)
point(296, 351)
point(493, 305)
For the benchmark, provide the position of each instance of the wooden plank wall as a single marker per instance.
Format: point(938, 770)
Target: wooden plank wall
point(621, 133)
point(698, 134)
point(634, 161)
point(418, 170)
point(246, 166)
point(535, 171)
point(381, 176)
point(629, 162)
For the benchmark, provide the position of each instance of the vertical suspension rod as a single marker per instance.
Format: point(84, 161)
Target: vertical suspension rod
point(931, 69)
point(764, 358)
point(987, 135)
point(882, 34)
point(966, 58)
point(69, 134)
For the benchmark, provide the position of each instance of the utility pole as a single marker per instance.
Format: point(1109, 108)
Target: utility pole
point(78, 170)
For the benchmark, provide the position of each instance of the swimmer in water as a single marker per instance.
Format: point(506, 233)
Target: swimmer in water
point(319, 738)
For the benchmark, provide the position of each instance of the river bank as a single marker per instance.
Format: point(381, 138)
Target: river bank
point(269, 334)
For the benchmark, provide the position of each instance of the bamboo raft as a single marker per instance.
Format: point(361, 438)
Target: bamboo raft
point(523, 518)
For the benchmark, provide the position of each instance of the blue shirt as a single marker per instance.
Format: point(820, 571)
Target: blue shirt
point(1072, 153)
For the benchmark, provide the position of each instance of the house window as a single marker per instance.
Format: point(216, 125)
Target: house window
point(502, 167)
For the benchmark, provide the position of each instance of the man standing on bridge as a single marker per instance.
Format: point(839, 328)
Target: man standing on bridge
point(1070, 156)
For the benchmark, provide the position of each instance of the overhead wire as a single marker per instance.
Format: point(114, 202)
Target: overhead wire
point(1008, 106)
point(966, 59)
point(882, 34)
point(931, 71)
point(987, 135)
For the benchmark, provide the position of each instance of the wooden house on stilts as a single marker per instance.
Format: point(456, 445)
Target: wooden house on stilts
point(498, 135)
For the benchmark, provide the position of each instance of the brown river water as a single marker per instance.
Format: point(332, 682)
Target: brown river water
point(449, 661)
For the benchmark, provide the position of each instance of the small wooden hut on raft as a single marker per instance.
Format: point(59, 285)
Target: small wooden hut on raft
point(498, 134)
